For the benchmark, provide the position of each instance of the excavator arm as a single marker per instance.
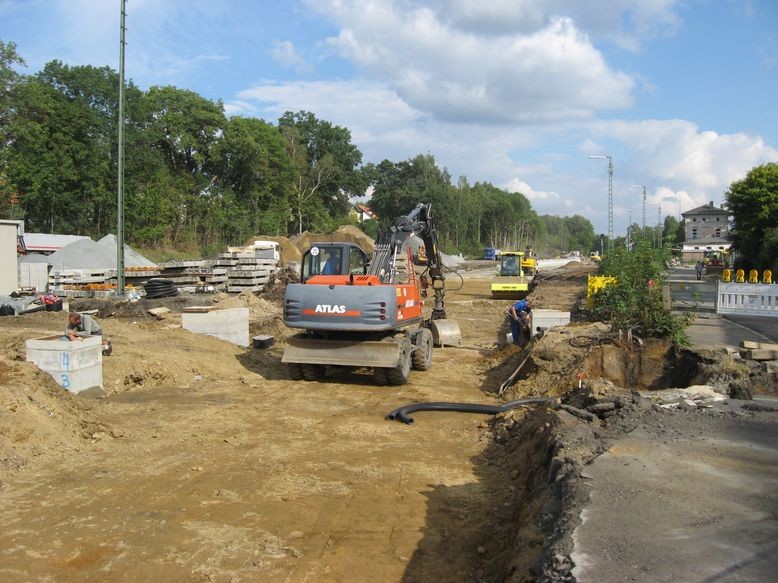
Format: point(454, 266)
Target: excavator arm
point(419, 223)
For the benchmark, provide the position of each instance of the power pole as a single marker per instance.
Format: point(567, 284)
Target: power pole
point(610, 196)
point(120, 169)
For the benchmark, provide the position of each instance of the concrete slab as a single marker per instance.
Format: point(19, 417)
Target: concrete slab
point(714, 330)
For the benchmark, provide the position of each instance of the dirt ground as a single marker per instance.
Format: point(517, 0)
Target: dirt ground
point(204, 462)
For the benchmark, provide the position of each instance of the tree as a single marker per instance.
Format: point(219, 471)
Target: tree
point(753, 202)
point(9, 78)
point(185, 128)
point(327, 166)
point(253, 164)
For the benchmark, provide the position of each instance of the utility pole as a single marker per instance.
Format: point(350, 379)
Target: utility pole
point(610, 196)
point(120, 169)
point(643, 225)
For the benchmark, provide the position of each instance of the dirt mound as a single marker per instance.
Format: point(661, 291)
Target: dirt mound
point(276, 285)
point(38, 419)
point(344, 234)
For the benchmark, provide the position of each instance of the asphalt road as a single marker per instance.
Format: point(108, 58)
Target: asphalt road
point(684, 497)
point(688, 294)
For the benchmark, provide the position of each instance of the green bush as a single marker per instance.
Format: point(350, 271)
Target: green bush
point(635, 301)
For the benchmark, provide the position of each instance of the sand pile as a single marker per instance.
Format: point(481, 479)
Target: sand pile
point(344, 234)
point(38, 419)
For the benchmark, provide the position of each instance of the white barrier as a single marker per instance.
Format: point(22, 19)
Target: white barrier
point(754, 299)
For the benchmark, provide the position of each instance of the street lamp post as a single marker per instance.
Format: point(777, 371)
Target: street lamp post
point(610, 196)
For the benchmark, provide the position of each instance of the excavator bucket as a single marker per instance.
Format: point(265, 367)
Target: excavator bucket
point(446, 333)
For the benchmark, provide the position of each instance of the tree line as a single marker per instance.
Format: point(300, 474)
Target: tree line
point(196, 178)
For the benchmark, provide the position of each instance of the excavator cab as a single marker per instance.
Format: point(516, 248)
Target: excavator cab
point(333, 259)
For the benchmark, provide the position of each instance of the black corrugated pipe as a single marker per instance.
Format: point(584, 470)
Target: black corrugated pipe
point(402, 413)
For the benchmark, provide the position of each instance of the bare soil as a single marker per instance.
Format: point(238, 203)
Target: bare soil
point(204, 462)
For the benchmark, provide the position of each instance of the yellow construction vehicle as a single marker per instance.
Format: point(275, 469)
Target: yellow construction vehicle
point(511, 283)
point(529, 263)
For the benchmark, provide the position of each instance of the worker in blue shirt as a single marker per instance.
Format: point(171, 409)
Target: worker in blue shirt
point(331, 263)
point(519, 319)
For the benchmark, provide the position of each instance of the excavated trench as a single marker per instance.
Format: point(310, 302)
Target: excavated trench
point(542, 453)
point(657, 365)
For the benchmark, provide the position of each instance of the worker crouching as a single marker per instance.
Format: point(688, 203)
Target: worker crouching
point(83, 326)
point(519, 314)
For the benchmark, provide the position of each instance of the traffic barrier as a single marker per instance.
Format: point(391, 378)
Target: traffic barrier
point(726, 276)
point(767, 276)
point(756, 299)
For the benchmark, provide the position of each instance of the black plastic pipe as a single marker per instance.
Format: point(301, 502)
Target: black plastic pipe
point(401, 414)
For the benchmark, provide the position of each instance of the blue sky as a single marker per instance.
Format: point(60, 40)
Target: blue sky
point(683, 94)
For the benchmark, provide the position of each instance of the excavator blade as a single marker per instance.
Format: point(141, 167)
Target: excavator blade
point(446, 333)
point(359, 353)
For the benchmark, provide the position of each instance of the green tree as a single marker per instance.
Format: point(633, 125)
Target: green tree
point(327, 165)
point(399, 187)
point(9, 78)
point(635, 300)
point(54, 161)
point(753, 202)
point(253, 164)
point(185, 128)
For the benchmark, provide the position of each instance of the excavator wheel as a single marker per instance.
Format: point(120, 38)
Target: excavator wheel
point(295, 372)
point(400, 373)
point(312, 372)
point(422, 356)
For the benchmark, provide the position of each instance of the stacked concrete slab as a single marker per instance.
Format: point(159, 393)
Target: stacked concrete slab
point(230, 324)
point(249, 268)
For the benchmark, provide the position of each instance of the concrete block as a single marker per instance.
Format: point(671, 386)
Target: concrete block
point(75, 366)
point(770, 366)
point(229, 324)
point(756, 354)
point(758, 345)
point(543, 319)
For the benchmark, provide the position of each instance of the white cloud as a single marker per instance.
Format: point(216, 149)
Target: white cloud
point(677, 155)
point(285, 53)
point(517, 185)
point(551, 73)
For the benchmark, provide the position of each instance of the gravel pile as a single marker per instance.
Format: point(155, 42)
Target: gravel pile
point(86, 254)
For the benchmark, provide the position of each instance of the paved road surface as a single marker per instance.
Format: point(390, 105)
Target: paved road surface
point(684, 497)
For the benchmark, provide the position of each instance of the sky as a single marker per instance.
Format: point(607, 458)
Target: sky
point(682, 94)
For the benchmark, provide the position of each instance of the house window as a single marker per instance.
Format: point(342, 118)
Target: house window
point(694, 220)
point(703, 219)
point(718, 219)
point(718, 232)
point(694, 233)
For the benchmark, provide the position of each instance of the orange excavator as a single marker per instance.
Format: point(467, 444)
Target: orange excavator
point(357, 313)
